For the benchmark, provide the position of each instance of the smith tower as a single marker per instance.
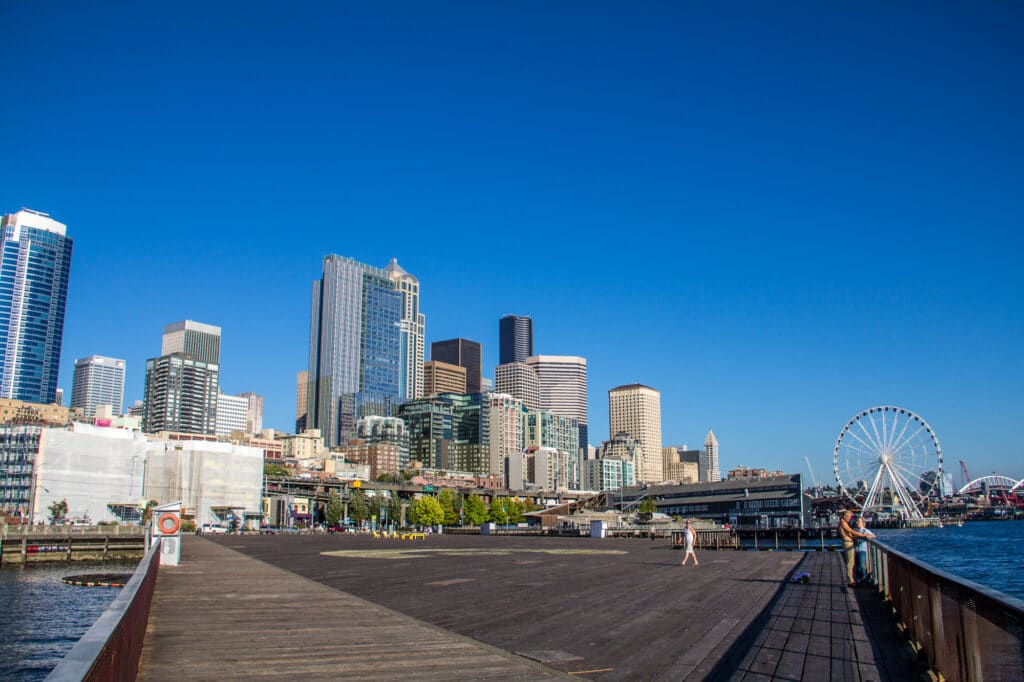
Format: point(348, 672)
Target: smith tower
point(33, 297)
point(365, 345)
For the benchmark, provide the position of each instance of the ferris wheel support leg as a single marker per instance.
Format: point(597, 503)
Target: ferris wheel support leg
point(907, 493)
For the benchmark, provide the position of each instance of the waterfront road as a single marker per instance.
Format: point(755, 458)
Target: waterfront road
point(293, 606)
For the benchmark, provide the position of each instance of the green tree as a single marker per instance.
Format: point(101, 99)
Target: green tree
point(446, 498)
point(58, 510)
point(474, 510)
point(499, 511)
point(395, 509)
point(515, 509)
point(334, 509)
point(426, 511)
point(647, 508)
point(358, 507)
point(275, 470)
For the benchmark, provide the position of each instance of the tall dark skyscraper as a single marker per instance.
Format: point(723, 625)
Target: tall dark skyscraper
point(183, 384)
point(464, 353)
point(33, 297)
point(515, 339)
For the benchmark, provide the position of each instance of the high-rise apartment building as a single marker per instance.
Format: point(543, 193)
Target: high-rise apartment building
point(441, 377)
point(515, 338)
point(449, 431)
point(505, 418)
point(636, 409)
point(366, 345)
point(675, 467)
point(709, 469)
point(520, 381)
point(34, 272)
point(545, 429)
point(464, 353)
point(180, 395)
point(195, 339)
point(98, 380)
point(563, 387)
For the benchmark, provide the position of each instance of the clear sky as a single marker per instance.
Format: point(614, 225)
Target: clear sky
point(777, 215)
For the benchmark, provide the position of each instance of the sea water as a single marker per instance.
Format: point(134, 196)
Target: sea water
point(990, 553)
point(41, 618)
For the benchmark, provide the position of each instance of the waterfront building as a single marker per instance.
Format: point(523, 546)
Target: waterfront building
point(635, 409)
point(549, 430)
point(608, 473)
point(19, 447)
point(232, 415)
point(776, 502)
point(464, 353)
point(301, 395)
point(98, 380)
point(562, 380)
point(365, 332)
point(505, 417)
point(448, 431)
point(180, 395)
point(381, 458)
point(34, 274)
point(442, 377)
point(217, 482)
point(254, 411)
point(679, 465)
point(709, 471)
point(195, 339)
point(742, 472)
point(520, 381)
point(515, 339)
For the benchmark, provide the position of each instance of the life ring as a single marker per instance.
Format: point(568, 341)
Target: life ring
point(169, 524)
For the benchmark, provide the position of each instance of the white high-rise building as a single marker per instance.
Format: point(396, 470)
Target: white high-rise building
point(98, 380)
point(563, 387)
point(520, 381)
point(635, 409)
point(232, 414)
point(505, 418)
point(413, 329)
point(709, 470)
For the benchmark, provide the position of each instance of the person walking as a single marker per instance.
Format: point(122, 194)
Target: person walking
point(849, 534)
point(689, 537)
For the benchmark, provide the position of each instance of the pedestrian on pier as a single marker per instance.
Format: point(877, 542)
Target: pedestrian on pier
point(689, 536)
point(849, 535)
point(860, 551)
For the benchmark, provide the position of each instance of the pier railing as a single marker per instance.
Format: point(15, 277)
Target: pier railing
point(966, 631)
point(111, 648)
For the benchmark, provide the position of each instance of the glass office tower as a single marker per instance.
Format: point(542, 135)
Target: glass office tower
point(33, 297)
point(360, 347)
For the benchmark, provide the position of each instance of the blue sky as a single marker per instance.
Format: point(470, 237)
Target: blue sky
point(777, 216)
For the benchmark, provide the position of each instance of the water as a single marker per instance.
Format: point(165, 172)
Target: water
point(986, 552)
point(41, 618)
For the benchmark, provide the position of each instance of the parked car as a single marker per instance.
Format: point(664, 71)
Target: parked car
point(212, 529)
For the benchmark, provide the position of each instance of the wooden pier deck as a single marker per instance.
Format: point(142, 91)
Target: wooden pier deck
point(471, 607)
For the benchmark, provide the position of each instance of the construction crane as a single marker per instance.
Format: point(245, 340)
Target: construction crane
point(811, 469)
point(963, 473)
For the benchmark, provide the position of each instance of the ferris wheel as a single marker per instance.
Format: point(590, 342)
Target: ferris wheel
point(888, 459)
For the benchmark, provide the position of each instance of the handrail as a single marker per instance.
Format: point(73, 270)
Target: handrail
point(111, 648)
point(965, 630)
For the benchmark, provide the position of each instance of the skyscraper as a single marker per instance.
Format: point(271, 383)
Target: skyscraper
point(365, 331)
point(520, 381)
point(440, 377)
point(709, 470)
point(515, 338)
point(301, 396)
point(563, 387)
point(98, 380)
point(34, 273)
point(635, 409)
point(198, 340)
point(182, 384)
point(253, 412)
point(464, 353)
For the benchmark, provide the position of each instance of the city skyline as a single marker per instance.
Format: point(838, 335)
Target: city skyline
point(776, 220)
